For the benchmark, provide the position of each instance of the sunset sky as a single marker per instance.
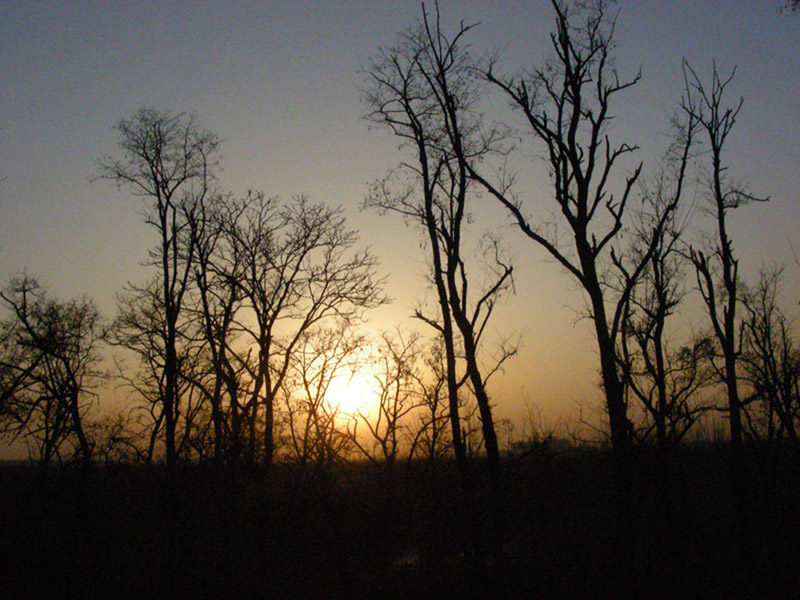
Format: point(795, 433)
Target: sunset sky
point(279, 83)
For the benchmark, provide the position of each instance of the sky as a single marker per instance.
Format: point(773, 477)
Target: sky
point(279, 83)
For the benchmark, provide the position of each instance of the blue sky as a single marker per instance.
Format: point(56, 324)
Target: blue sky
point(278, 82)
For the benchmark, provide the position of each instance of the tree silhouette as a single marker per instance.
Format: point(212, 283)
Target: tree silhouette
point(770, 364)
point(717, 268)
point(317, 435)
point(168, 161)
point(395, 377)
point(662, 380)
point(48, 364)
point(296, 267)
point(423, 91)
point(430, 430)
point(567, 106)
point(214, 305)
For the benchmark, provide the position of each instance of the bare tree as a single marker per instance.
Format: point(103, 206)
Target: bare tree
point(299, 268)
point(567, 105)
point(423, 90)
point(663, 381)
point(399, 98)
point(317, 428)
point(395, 377)
point(167, 160)
point(770, 365)
point(138, 329)
point(48, 363)
point(717, 268)
point(217, 301)
point(429, 433)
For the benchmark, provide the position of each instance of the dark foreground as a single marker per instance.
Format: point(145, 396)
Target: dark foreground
point(368, 532)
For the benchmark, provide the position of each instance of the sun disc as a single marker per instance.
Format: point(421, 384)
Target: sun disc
point(349, 393)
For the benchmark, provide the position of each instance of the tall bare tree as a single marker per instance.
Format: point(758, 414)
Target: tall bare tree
point(168, 160)
point(217, 301)
point(662, 380)
point(716, 266)
point(567, 106)
point(423, 90)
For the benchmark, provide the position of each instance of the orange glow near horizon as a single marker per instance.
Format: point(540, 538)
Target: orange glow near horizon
point(350, 393)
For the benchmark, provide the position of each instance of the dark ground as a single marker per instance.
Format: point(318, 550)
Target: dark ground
point(362, 531)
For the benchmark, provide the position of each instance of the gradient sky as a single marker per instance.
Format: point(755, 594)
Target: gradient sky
point(278, 82)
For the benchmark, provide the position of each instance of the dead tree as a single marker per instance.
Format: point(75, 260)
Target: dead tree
point(770, 366)
point(48, 363)
point(168, 161)
point(423, 90)
point(395, 378)
point(717, 268)
point(299, 268)
point(566, 105)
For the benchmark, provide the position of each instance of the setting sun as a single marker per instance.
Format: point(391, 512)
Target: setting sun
point(350, 393)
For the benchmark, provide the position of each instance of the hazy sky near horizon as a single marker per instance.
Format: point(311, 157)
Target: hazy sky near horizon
point(279, 83)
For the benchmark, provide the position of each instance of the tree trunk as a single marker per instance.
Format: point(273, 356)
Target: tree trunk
point(621, 442)
point(77, 424)
point(738, 471)
point(269, 435)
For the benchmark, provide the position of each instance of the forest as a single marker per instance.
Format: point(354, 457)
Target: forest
point(271, 445)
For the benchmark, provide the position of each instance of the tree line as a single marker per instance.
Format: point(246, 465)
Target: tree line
point(253, 304)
